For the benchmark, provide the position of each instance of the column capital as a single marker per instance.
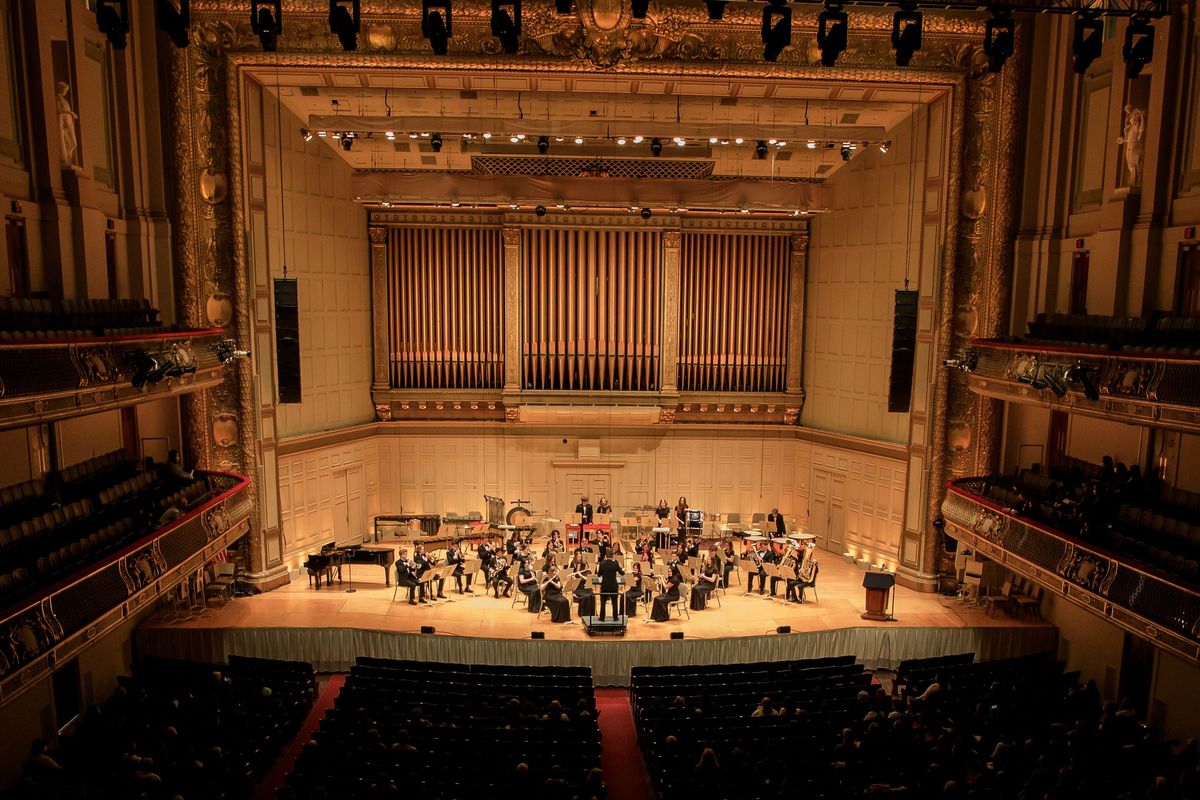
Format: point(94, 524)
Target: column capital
point(378, 235)
point(512, 236)
point(672, 239)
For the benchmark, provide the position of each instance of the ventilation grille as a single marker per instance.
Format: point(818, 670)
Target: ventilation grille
point(662, 169)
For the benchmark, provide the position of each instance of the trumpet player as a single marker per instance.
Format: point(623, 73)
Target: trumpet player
point(424, 564)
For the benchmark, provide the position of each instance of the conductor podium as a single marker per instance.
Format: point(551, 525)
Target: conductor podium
point(879, 586)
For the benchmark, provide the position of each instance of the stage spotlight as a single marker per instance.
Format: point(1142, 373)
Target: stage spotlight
point(776, 29)
point(436, 143)
point(345, 21)
point(266, 20)
point(306, 134)
point(998, 40)
point(506, 23)
point(639, 8)
point(906, 33)
point(1056, 384)
point(540, 211)
point(846, 152)
point(1088, 42)
point(175, 20)
point(884, 147)
point(1139, 46)
point(347, 142)
point(760, 150)
point(832, 24)
point(436, 25)
point(112, 18)
point(656, 146)
point(716, 9)
point(543, 144)
point(564, 6)
point(646, 213)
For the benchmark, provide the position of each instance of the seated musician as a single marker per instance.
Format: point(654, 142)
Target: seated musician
point(755, 570)
point(635, 590)
point(728, 559)
point(497, 574)
point(486, 552)
point(603, 507)
point(662, 603)
point(458, 556)
point(555, 544)
point(552, 596)
point(806, 575)
point(424, 564)
point(527, 584)
point(406, 575)
point(583, 593)
point(513, 544)
point(706, 584)
point(693, 547)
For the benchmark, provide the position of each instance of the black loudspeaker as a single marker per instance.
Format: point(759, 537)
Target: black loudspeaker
point(784, 629)
point(287, 339)
point(904, 345)
point(428, 629)
point(537, 635)
point(676, 634)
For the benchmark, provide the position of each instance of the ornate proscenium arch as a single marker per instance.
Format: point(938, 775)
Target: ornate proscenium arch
point(676, 39)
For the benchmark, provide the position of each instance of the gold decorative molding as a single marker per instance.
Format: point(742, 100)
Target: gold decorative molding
point(378, 235)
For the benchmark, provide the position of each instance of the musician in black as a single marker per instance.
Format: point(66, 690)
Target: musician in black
point(780, 523)
point(806, 575)
point(584, 510)
point(603, 507)
point(583, 595)
point(663, 511)
point(554, 545)
point(608, 570)
point(632, 594)
point(755, 570)
point(552, 596)
point(662, 603)
point(513, 544)
point(706, 584)
point(424, 564)
point(681, 509)
point(458, 557)
point(406, 575)
point(498, 574)
point(527, 584)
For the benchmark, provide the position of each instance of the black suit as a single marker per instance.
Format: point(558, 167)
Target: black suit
point(608, 572)
point(780, 526)
point(584, 510)
point(406, 577)
point(457, 558)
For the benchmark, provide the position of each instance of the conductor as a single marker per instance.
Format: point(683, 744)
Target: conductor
point(608, 572)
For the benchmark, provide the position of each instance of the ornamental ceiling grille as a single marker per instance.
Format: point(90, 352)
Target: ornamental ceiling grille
point(668, 169)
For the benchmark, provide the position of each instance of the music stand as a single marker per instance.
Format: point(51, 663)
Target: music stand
point(349, 575)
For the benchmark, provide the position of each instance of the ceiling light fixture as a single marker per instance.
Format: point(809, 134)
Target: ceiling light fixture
point(578, 140)
point(112, 18)
point(306, 134)
point(506, 24)
point(776, 28)
point(656, 146)
point(832, 36)
point(620, 140)
point(436, 143)
point(1087, 42)
point(513, 139)
point(266, 20)
point(846, 151)
point(739, 140)
point(999, 37)
point(1138, 49)
point(543, 144)
point(812, 145)
point(345, 21)
point(437, 25)
point(487, 135)
point(883, 147)
point(175, 20)
point(639, 139)
point(906, 33)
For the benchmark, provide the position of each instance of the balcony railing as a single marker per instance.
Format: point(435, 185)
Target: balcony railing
point(47, 379)
point(1150, 388)
point(44, 630)
point(1138, 598)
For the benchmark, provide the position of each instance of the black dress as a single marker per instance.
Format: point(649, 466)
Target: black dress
point(701, 591)
point(560, 606)
point(632, 595)
point(586, 599)
point(530, 590)
point(662, 603)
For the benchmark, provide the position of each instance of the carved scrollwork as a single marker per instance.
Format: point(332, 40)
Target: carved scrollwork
point(96, 365)
point(383, 412)
point(216, 521)
point(27, 636)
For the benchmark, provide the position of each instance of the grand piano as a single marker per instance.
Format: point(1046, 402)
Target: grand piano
point(332, 558)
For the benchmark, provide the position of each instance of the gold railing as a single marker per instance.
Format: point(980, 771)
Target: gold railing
point(1149, 603)
point(46, 629)
point(48, 379)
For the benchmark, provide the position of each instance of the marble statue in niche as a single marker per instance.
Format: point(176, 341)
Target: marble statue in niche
point(1131, 137)
point(66, 127)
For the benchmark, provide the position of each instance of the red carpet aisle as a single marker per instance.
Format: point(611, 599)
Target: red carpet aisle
point(275, 778)
point(624, 770)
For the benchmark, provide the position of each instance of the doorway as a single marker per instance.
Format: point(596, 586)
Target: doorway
point(828, 520)
point(577, 484)
point(348, 507)
point(1187, 287)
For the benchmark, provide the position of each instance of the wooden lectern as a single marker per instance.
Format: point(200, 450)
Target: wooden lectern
point(878, 586)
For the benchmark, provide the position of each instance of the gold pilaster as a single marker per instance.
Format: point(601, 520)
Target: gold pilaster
point(379, 307)
point(512, 309)
point(669, 363)
point(795, 316)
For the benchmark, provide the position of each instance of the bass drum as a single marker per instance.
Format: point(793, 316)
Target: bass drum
point(518, 515)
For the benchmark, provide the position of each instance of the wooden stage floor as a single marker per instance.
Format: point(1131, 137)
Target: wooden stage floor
point(839, 588)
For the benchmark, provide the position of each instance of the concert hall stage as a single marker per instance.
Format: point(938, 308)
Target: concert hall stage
point(330, 627)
